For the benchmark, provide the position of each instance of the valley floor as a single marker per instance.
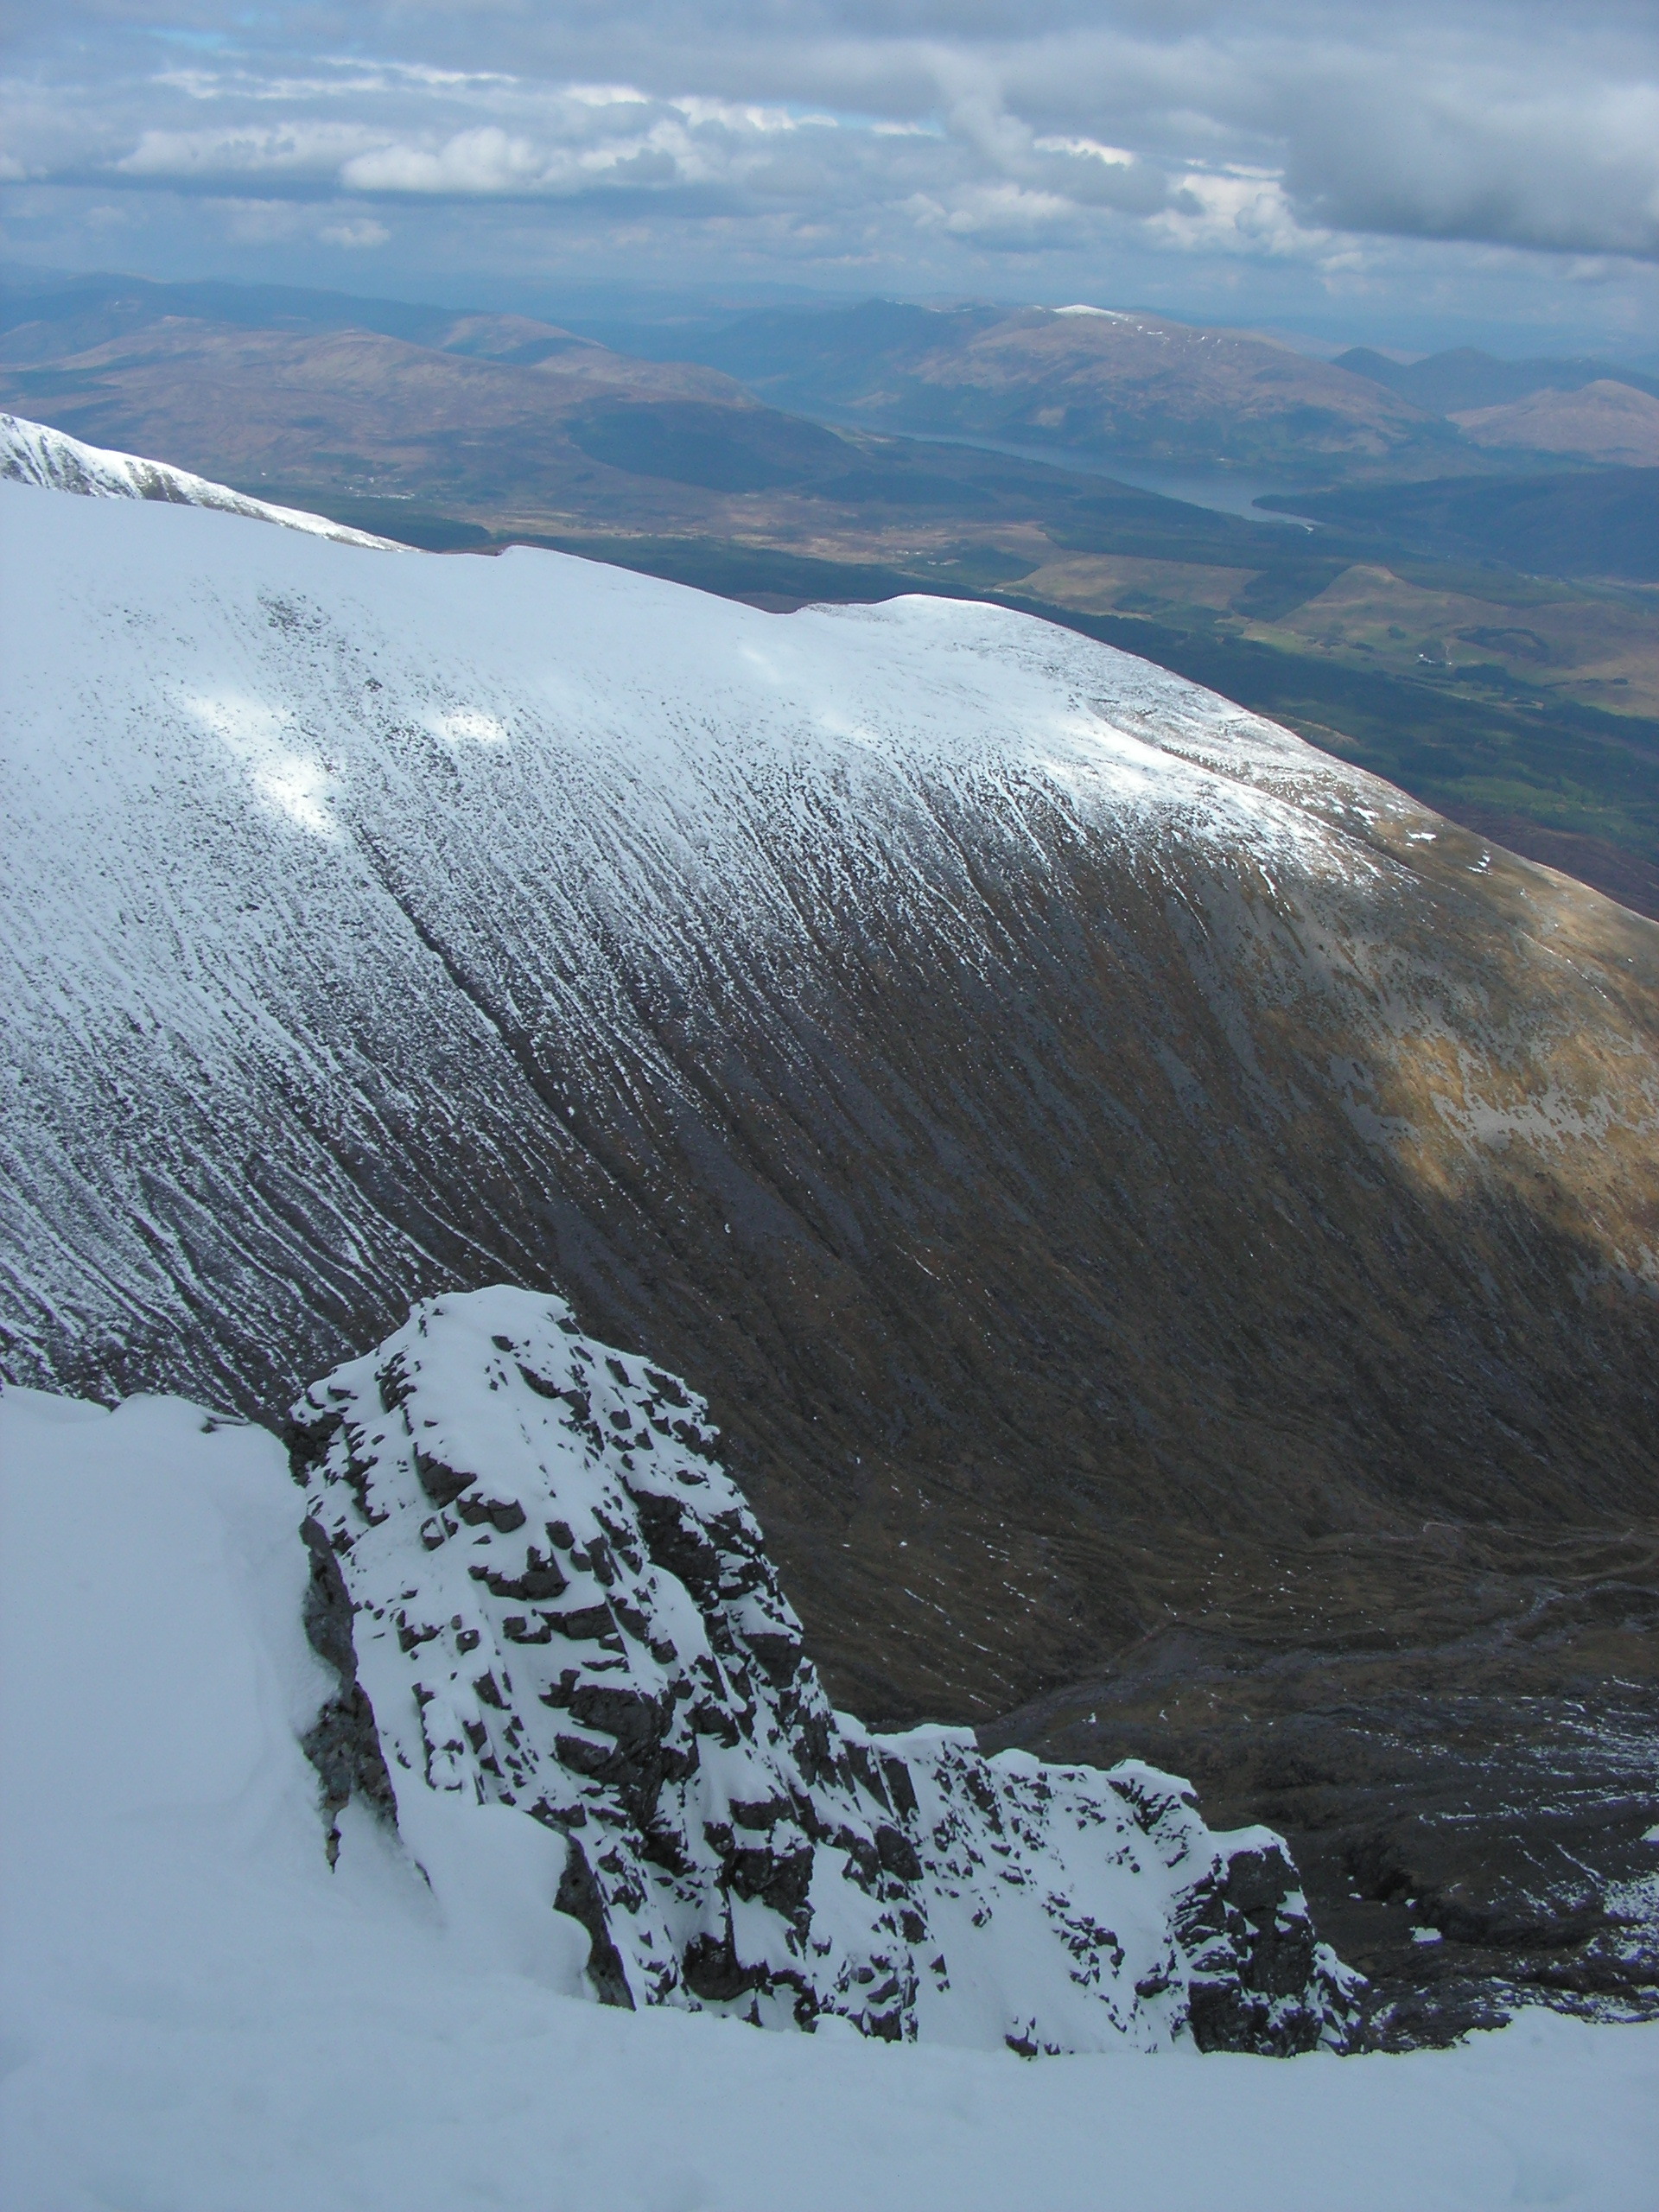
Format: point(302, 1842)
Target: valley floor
point(200, 2015)
point(1456, 1729)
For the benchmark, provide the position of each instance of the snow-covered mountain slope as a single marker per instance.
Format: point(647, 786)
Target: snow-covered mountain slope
point(554, 1599)
point(31, 453)
point(1034, 1098)
point(198, 2012)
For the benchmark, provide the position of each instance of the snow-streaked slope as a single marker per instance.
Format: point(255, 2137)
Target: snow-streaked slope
point(310, 857)
point(32, 452)
point(199, 2014)
point(1026, 1093)
point(559, 1602)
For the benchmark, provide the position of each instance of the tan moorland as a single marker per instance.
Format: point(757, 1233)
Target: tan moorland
point(1605, 421)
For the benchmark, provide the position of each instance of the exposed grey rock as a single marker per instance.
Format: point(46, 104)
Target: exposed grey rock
point(342, 1742)
point(560, 1603)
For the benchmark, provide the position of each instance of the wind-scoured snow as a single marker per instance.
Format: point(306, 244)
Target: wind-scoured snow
point(314, 860)
point(201, 2014)
point(32, 452)
point(561, 1605)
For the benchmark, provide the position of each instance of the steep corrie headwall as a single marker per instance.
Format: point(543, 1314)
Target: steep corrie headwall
point(1057, 1116)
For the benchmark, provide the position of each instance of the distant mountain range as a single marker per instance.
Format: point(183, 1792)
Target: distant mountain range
point(43, 318)
point(476, 424)
point(1140, 387)
point(1075, 380)
point(451, 430)
point(1081, 380)
point(479, 412)
point(1581, 409)
point(1462, 378)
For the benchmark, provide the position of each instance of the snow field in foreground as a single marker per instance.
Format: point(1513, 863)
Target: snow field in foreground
point(199, 2017)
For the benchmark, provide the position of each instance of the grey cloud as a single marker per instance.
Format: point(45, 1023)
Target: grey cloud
point(1287, 129)
point(1569, 168)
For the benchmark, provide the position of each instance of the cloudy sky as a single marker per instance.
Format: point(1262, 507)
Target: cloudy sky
point(1427, 173)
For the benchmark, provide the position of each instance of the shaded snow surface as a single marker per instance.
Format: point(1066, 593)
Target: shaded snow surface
point(200, 2015)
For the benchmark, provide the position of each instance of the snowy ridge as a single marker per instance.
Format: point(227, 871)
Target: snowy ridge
point(30, 452)
point(560, 1603)
point(305, 836)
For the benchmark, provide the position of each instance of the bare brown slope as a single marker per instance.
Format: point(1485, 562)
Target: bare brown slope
point(1131, 384)
point(357, 410)
point(1603, 421)
point(1110, 1243)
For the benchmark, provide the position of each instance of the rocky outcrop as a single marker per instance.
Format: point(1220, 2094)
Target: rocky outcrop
point(560, 1603)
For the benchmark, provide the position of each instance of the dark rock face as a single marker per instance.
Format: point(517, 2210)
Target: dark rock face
point(342, 1742)
point(733, 1843)
point(1268, 1954)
